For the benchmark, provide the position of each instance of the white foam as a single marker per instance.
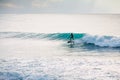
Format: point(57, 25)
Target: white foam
point(102, 41)
point(61, 68)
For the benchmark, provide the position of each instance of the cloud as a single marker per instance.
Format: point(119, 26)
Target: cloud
point(44, 3)
point(55, 1)
point(9, 5)
point(106, 6)
point(61, 6)
point(40, 3)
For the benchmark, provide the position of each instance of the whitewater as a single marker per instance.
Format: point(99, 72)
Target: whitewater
point(41, 56)
point(27, 52)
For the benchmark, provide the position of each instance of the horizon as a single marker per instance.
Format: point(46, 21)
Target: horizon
point(56, 23)
point(49, 16)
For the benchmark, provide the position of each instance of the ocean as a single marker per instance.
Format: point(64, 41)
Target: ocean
point(44, 54)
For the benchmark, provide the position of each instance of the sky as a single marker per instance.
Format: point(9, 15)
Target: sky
point(69, 19)
point(60, 6)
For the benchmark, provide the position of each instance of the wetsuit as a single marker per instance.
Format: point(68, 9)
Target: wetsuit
point(71, 37)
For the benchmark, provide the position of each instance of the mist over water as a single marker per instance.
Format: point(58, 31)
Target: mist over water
point(52, 23)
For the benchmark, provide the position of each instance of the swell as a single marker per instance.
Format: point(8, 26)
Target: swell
point(80, 38)
point(52, 36)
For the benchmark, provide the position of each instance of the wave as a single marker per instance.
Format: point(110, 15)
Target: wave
point(18, 76)
point(10, 76)
point(101, 41)
point(80, 38)
point(52, 36)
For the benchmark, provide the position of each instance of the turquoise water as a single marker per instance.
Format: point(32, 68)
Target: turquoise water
point(41, 56)
point(34, 47)
point(80, 38)
point(52, 36)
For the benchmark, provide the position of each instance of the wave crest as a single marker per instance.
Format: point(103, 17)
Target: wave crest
point(52, 36)
point(102, 41)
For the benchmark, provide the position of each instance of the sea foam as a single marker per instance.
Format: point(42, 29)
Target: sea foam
point(102, 41)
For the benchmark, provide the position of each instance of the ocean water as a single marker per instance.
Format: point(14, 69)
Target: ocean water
point(27, 54)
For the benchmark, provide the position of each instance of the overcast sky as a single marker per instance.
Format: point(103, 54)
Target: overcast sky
point(60, 6)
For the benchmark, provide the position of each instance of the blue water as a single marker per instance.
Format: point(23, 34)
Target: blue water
point(41, 56)
point(83, 38)
point(52, 36)
point(34, 47)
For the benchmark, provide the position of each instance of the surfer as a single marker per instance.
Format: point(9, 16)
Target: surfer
point(71, 37)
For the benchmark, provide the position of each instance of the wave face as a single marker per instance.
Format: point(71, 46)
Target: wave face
point(80, 38)
point(52, 36)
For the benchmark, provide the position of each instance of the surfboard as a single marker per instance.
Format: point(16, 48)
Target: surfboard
point(71, 42)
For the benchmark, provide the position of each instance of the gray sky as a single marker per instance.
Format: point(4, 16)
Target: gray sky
point(60, 6)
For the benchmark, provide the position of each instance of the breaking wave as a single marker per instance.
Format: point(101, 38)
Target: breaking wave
point(101, 41)
point(80, 38)
point(52, 36)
